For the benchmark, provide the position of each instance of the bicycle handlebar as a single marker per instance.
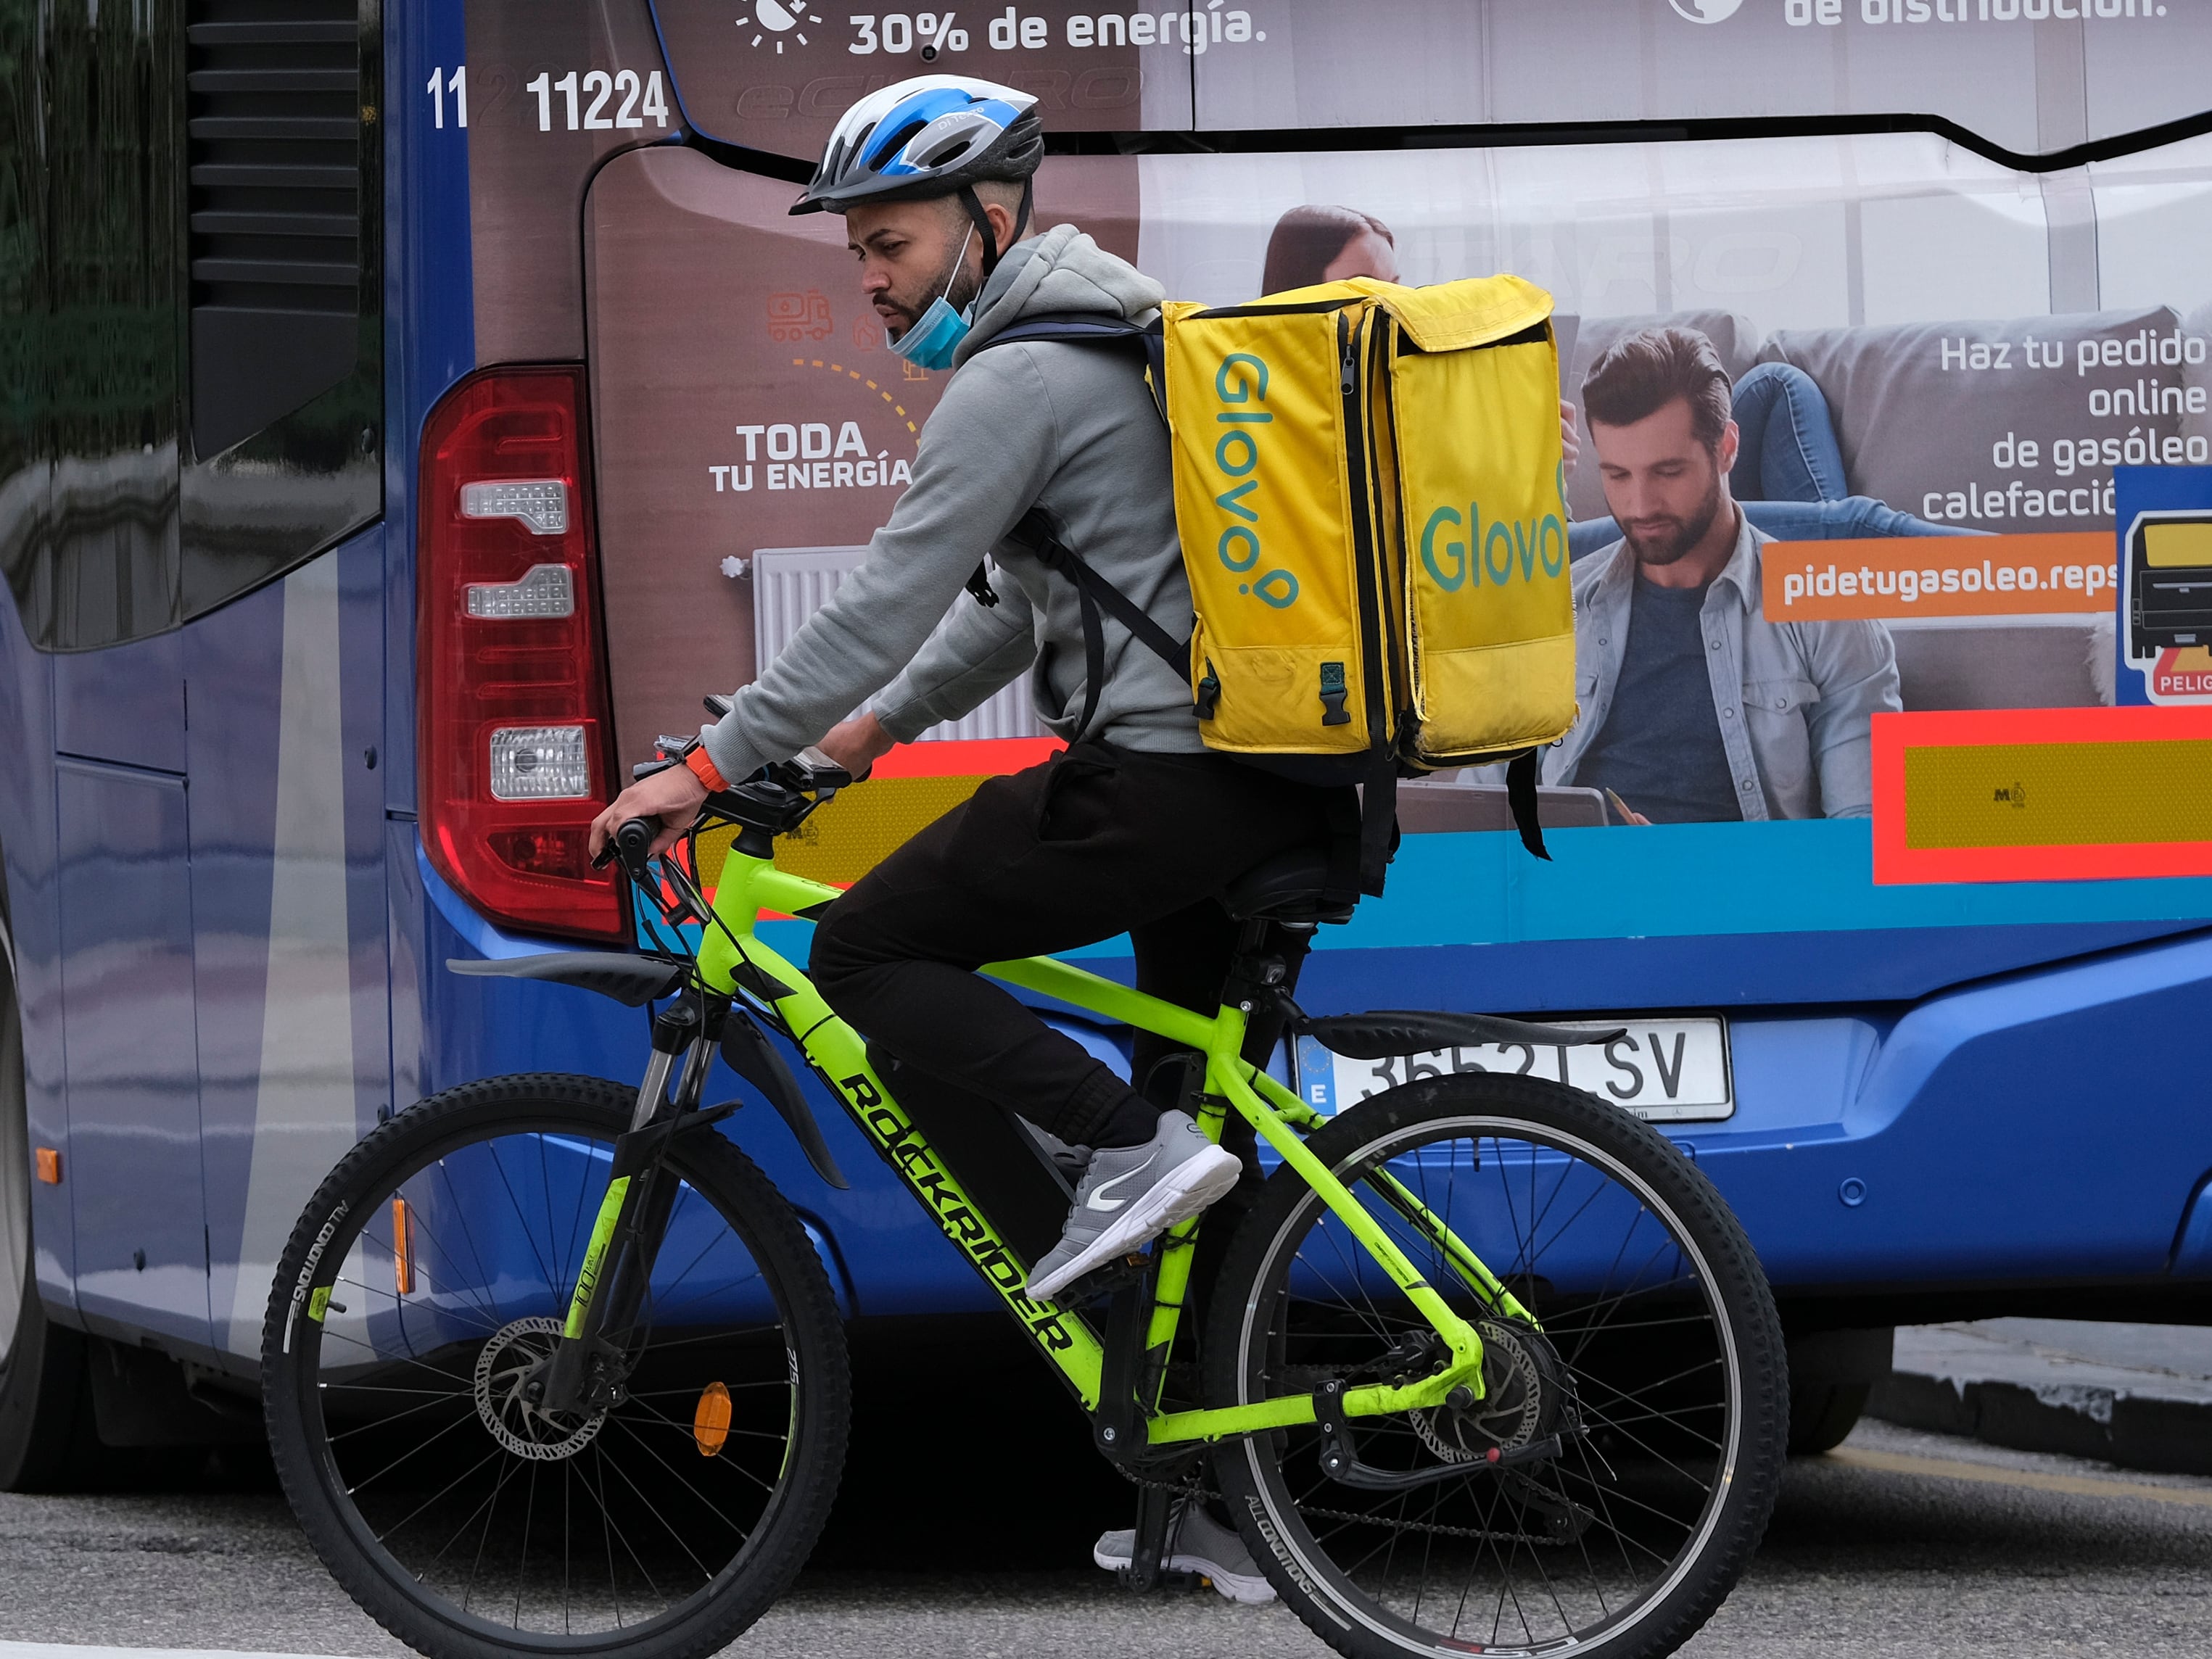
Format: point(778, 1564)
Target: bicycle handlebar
point(776, 799)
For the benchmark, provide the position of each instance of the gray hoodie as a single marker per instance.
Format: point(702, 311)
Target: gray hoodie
point(1070, 427)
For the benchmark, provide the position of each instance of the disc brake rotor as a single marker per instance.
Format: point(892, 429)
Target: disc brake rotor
point(1522, 1399)
point(514, 1357)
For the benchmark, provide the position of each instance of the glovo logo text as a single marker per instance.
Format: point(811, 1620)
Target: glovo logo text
point(1464, 549)
point(1239, 384)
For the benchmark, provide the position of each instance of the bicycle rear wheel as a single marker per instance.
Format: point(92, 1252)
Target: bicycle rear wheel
point(424, 1282)
point(1654, 1355)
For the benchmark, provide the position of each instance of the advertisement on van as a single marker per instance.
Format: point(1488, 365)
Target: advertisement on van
point(1906, 370)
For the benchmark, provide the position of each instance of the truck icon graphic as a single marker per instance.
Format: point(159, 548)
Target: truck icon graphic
point(2169, 582)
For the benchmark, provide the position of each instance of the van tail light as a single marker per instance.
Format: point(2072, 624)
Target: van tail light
point(514, 738)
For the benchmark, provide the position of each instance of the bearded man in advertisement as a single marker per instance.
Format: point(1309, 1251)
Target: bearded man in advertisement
point(1696, 708)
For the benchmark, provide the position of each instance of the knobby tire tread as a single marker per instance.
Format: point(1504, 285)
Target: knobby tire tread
point(1703, 1213)
point(782, 1245)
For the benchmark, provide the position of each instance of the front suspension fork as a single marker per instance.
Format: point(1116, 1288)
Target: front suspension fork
point(589, 1363)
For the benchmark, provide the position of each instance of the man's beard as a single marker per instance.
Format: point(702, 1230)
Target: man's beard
point(1678, 536)
point(956, 282)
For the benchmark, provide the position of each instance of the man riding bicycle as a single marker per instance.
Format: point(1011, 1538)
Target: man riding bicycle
point(1136, 826)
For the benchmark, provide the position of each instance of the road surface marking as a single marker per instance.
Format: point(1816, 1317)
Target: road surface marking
point(2080, 1485)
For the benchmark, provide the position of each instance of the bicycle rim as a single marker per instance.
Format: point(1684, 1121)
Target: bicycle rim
point(527, 1528)
point(1631, 1359)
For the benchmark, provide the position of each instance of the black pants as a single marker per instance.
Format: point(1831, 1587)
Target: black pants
point(1098, 841)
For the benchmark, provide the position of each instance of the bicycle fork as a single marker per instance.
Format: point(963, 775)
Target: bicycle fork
point(587, 1367)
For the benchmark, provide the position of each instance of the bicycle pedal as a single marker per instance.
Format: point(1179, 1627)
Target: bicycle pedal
point(1105, 1279)
point(1169, 1582)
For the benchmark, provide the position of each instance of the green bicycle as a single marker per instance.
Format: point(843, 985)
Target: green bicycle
point(552, 1368)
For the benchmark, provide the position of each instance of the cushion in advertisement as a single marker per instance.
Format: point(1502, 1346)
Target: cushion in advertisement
point(2011, 426)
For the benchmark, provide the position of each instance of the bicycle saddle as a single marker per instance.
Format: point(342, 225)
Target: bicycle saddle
point(1291, 888)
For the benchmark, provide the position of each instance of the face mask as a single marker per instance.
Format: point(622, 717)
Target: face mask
point(937, 335)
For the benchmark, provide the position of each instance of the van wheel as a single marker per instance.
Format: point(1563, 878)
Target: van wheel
point(41, 1363)
point(1823, 1415)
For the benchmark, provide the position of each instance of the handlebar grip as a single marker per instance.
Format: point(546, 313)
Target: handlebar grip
point(635, 839)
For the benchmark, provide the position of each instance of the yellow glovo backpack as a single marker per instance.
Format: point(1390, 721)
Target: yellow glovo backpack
point(1368, 492)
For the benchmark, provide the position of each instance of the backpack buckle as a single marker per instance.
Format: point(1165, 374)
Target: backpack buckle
point(1332, 694)
point(1209, 693)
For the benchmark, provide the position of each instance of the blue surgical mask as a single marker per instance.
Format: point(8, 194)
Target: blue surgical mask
point(938, 333)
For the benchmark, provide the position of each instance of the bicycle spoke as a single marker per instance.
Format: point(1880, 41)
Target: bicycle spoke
point(555, 1525)
point(537, 1246)
point(1554, 1548)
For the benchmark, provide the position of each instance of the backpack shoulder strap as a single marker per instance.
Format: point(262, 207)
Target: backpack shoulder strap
point(1096, 328)
point(1036, 533)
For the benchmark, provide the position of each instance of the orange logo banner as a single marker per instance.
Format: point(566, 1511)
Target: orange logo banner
point(2068, 573)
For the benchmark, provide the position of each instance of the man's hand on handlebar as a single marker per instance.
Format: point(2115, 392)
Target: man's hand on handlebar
point(672, 797)
point(858, 744)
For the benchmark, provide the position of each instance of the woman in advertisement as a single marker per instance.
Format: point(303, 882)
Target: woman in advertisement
point(1789, 474)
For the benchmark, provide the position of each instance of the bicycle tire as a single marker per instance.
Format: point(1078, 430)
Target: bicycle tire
point(1298, 1523)
point(563, 1114)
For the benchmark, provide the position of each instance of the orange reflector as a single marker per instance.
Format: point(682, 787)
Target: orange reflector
point(710, 1424)
point(403, 1249)
point(49, 1165)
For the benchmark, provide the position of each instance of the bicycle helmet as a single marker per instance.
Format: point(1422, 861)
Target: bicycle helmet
point(934, 136)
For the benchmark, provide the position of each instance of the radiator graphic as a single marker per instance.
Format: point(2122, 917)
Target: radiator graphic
point(916, 783)
point(790, 584)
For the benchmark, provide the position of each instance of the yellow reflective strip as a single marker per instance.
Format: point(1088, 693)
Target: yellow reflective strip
point(2058, 794)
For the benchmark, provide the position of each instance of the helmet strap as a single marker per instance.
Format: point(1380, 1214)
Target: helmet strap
point(982, 223)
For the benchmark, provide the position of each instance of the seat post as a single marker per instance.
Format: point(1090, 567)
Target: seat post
point(1260, 973)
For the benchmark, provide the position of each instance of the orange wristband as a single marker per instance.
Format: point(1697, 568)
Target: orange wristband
point(702, 767)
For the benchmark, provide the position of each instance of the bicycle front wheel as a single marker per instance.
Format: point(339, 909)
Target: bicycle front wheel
point(422, 1290)
point(1601, 1497)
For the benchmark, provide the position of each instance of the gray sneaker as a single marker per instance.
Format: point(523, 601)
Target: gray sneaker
point(1198, 1544)
point(1132, 1193)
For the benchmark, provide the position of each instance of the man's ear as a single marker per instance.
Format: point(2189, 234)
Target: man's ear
point(1725, 451)
point(1002, 223)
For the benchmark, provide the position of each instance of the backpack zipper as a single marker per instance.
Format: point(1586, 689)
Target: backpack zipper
point(1396, 606)
point(1379, 737)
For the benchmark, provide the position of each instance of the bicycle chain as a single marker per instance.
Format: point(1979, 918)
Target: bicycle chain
point(1185, 1488)
point(1483, 1534)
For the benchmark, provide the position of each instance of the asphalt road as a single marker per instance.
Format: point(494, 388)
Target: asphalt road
point(1902, 1543)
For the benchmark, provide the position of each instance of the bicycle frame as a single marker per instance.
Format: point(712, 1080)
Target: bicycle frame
point(751, 885)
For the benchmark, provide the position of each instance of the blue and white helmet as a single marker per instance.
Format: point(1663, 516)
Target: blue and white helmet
point(936, 135)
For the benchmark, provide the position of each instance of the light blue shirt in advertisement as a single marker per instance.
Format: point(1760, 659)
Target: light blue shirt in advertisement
point(1793, 699)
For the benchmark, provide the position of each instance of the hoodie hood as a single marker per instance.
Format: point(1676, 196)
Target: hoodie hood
point(1060, 271)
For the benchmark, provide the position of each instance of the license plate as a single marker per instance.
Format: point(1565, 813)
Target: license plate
point(1667, 1071)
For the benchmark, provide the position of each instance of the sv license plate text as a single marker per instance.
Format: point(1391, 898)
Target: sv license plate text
point(1663, 1070)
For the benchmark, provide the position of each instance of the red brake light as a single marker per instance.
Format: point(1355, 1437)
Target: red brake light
point(513, 733)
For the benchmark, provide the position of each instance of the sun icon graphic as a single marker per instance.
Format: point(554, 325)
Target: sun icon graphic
point(779, 17)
